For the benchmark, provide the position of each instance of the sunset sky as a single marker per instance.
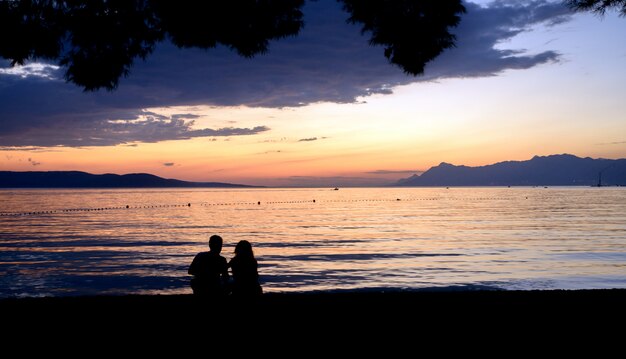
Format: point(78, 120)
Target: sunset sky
point(326, 109)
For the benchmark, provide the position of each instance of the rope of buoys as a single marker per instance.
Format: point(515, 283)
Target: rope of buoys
point(258, 203)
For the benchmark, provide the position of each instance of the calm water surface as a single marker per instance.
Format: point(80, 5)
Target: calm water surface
point(509, 238)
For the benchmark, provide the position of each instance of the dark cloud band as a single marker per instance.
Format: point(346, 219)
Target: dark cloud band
point(148, 129)
point(329, 61)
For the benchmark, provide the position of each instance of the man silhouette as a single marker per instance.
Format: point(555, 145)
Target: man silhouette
point(209, 270)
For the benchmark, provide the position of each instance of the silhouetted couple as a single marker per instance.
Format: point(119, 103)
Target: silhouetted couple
point(210, 271)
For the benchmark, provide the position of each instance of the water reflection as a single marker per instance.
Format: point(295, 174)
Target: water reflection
point(514, 238)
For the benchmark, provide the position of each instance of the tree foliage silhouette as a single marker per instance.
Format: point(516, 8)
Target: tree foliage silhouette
point(598, 6)
point(97, 41)
point(412, 32)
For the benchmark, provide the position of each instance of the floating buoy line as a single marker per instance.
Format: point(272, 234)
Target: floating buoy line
point(259, 203)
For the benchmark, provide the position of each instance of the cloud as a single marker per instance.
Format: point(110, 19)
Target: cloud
point(269, 152)
point(185, 116)
point(30, 148)
point(480, 33)
point(34, 69)
point(331, 181)
point(169, 164)
point(329, 61)
point(33, 162)
point(146, 127)
point(388, 172)
point(307, 139)
point(274, 140)
point(226, 131)
point(611, 143)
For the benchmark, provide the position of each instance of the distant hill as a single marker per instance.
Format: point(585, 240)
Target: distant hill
point(554, 170)
point(75, 179)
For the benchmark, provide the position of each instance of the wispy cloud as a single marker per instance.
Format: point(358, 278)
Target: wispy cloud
point(331, 181)
point(274, 140)
point(226, 131)
point(33, 162)
point(169, 164)
point(611, 143)
point(147, 127)
point(184, 116)
point(31, 149)
point(310, 139)
point(269, 152)
point(35, 69)
point(393, 172)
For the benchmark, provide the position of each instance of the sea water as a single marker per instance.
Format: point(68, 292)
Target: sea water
point(138, 241)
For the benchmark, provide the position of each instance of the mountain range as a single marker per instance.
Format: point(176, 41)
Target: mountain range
point(75, 179)
point(554, 170)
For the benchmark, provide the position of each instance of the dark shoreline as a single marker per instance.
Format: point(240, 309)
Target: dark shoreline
point(381, 305)
point(293, 323)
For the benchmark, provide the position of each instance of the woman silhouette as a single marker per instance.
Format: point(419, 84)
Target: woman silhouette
point(245, 273)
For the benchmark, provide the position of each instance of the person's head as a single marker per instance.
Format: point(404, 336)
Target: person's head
point(215, 243)
point(244, 249)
